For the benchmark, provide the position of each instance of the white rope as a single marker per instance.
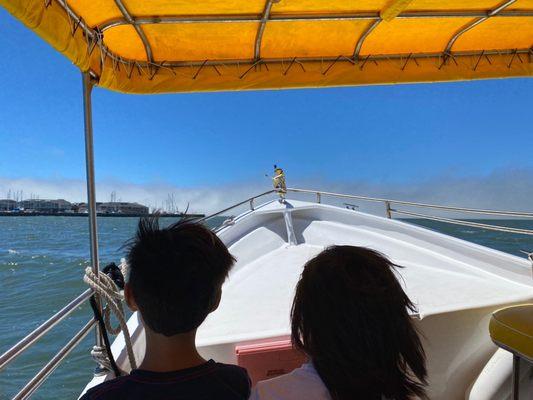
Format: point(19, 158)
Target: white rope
point(125, 269)
point(108, 291)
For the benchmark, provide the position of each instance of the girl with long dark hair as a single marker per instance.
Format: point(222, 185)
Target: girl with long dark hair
point(350, 316)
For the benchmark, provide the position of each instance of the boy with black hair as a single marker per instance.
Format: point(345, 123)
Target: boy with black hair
point(175, 280)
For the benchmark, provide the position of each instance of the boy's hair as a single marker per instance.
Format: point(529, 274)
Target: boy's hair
point(351, 317)
point(176, 274)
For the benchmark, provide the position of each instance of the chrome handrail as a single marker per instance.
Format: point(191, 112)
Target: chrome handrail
point(389, 210)
point(51, 365)
point(42, 329)
point(415, 204)
point(248, 200)
point(467, 223)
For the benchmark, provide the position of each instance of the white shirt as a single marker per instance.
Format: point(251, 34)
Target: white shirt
point(302, 383)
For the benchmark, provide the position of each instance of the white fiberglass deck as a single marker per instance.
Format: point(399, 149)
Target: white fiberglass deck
point(441, 273)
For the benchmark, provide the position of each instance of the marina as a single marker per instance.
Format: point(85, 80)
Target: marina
point(64, 208)
point(105, 214)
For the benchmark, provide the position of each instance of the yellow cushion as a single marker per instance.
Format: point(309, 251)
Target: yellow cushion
point(512, 329)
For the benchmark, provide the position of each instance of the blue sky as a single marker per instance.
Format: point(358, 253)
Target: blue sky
point(380, 135)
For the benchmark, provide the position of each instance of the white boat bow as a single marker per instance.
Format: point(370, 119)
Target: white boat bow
point(454, 283)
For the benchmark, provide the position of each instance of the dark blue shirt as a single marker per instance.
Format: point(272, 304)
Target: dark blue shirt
point(208, 381)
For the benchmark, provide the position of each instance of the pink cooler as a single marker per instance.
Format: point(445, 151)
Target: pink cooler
point(266, 359)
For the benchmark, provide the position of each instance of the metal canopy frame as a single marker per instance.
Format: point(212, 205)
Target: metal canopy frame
point(95, 37)
point(497, 11)
point(178, 19)
point(261, 29)
point(138, 29)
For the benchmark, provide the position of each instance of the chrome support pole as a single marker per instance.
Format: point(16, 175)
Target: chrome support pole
point(88, 84)
point(529, 255)
point(388, 209)
point(516, 377)
point(318, 197)
point(252, 204)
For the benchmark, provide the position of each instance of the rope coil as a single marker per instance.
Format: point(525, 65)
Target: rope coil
point(104, 286)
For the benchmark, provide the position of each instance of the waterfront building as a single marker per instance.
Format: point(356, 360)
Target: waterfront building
point(45, 205)
point(7, 205)
point(114, 207)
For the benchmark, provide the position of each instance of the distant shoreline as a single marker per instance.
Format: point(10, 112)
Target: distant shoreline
point(106, 215)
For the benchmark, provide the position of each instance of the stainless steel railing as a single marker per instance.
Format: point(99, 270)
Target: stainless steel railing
point(42, 329)
point(319, 194)
point(249, 201)
point(30, 339)
point(389, 211)
point(51, 365)
point(467, 223)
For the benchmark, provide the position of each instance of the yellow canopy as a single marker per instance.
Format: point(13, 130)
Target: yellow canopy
point(141, 46)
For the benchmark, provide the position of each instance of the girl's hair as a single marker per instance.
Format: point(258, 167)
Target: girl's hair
point(350, 316)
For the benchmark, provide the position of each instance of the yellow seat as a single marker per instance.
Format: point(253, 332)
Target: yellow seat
point(512, 329)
